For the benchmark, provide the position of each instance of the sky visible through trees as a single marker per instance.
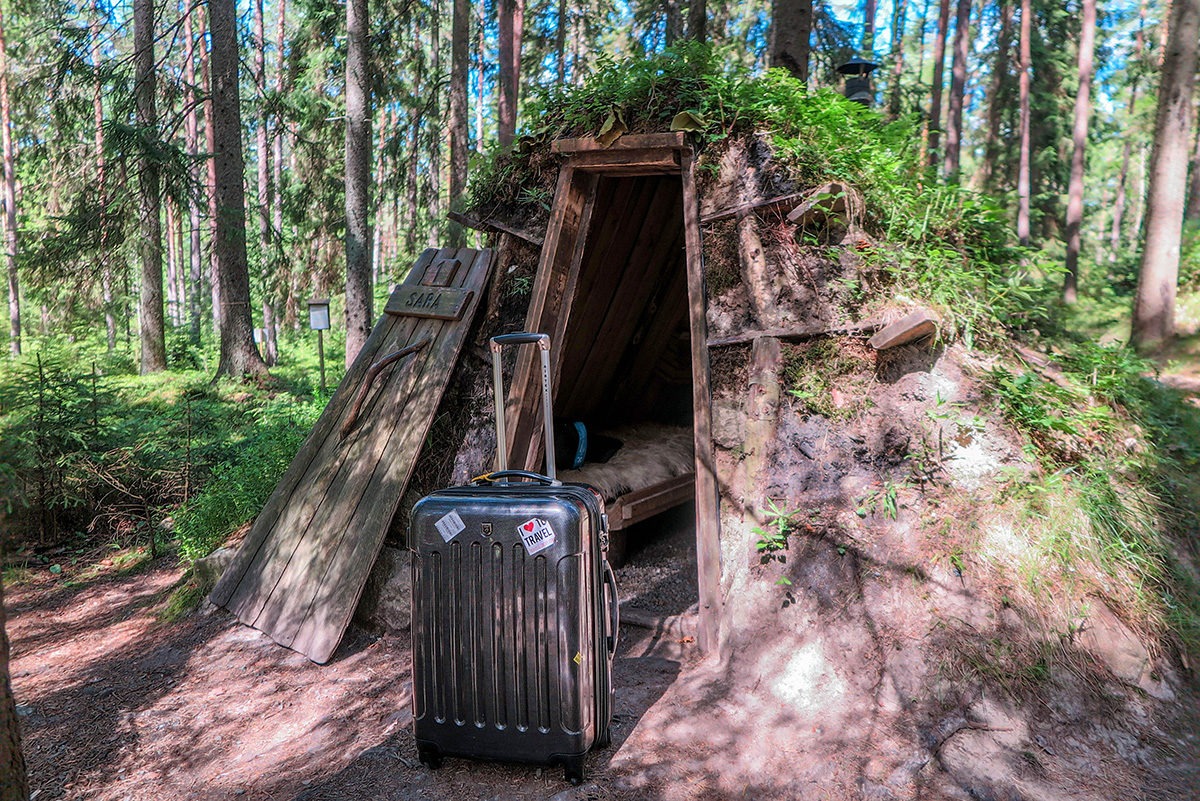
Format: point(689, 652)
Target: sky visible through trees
point(85, 148)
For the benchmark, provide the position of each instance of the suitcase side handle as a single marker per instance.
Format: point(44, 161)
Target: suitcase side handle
point(614, 613)
point(491, 478)
point(543, 343)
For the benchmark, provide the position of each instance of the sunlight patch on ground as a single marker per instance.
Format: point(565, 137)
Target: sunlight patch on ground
point(809, 683)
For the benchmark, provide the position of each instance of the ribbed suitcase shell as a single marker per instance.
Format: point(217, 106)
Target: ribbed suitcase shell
point(511, 651)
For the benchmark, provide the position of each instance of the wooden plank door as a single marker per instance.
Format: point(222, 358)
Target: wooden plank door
point(302, 568)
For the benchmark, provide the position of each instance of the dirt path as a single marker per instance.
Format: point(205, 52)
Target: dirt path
point(117, 705)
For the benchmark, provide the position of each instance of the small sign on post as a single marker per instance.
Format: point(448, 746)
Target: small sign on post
point(318, 320)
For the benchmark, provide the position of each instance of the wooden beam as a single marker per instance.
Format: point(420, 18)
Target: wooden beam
point(497, 226)
point(637, 506)
point(746, 208)
point(567, 222)
point(628, 161)
point(708, 499)
point(677, 140)
point(795, 334)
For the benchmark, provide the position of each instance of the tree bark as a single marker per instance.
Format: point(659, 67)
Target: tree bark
point(110, 319)
point(868, 39)
point(697, 20)
point(1083, 111)
point(991, 142)
point(512, 25)
point(939, 68)
point(894, 97)
point(10, 201)
point(958, 86)
point(1023, 168)
point(211, 193)
point(191, 144)
point(1154, 303)
point(459, 53)
point(239, 356)
point(15, 786)
point(150, 302)
point(359, 301)
point(560, 43)
point(791, 26)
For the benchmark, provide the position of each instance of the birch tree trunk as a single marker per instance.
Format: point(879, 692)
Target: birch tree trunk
point(150, 298)
point(1083, 111)
point(359, 301)
point(239, 356)
point(1154, 303)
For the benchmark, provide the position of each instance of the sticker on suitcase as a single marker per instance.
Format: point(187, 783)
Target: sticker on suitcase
point(536, 535)
point(449, 525)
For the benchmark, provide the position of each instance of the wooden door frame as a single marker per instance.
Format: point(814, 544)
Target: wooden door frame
point(550, 308)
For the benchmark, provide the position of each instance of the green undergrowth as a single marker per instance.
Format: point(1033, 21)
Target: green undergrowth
point(938, 243)
point(95, 457)
point(1113, 506)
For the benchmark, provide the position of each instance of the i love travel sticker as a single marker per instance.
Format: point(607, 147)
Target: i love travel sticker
point(536, 535)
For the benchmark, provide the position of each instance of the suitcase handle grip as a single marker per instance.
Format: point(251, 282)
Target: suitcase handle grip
point(543, 343)
point(614, 615)
point(520, 338)
point(490, 478)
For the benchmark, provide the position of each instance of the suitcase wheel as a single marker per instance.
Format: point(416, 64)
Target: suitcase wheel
point(573, 770)
point(430, 756)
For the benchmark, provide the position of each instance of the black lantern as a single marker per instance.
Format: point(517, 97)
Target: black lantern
point(858, 81)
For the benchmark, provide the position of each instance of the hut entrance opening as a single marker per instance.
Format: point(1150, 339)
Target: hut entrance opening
point(620, 290)
point(625, 368)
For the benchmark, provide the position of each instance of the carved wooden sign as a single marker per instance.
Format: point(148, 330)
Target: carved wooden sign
point(441, 303)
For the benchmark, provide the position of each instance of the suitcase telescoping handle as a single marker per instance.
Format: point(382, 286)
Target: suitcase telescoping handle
point(543, 343)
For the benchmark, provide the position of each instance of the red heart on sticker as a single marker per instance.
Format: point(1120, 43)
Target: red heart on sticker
point(529, 526)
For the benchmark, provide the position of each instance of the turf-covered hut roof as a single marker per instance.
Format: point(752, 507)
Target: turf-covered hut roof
point(651, 276)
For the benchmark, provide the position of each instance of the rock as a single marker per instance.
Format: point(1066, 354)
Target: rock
point(1119, 648)
point(386, 603)
point(208, 569)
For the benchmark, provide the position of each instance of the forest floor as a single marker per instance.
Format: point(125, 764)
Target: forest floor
point(116, 703)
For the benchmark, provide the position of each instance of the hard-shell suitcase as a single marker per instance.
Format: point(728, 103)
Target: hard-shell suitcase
point(514, 618)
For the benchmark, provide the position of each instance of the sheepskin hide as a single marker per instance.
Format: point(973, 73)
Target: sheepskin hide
point(651, 454)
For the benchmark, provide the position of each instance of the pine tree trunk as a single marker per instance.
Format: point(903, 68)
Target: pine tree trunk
point(150, 303)
point(459, 49)
point(1083, 111)
point(277, 134)
point(239, 356)
point(939, 68)
point(512, 23)
point(172, 283)
point(10, 201)
point(15, 786)
point(894, 96)
point(262, 158)
point(697, 21)
point(359, 301)
point(110, 319)
point(868, 38)
point(560, 44)
point(958, 85)
point(991, 142)
point(191, 144)
point(1154, 303)
point(210, 144)
point(791, 26)
point(1023, 169)
point(433, 175)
